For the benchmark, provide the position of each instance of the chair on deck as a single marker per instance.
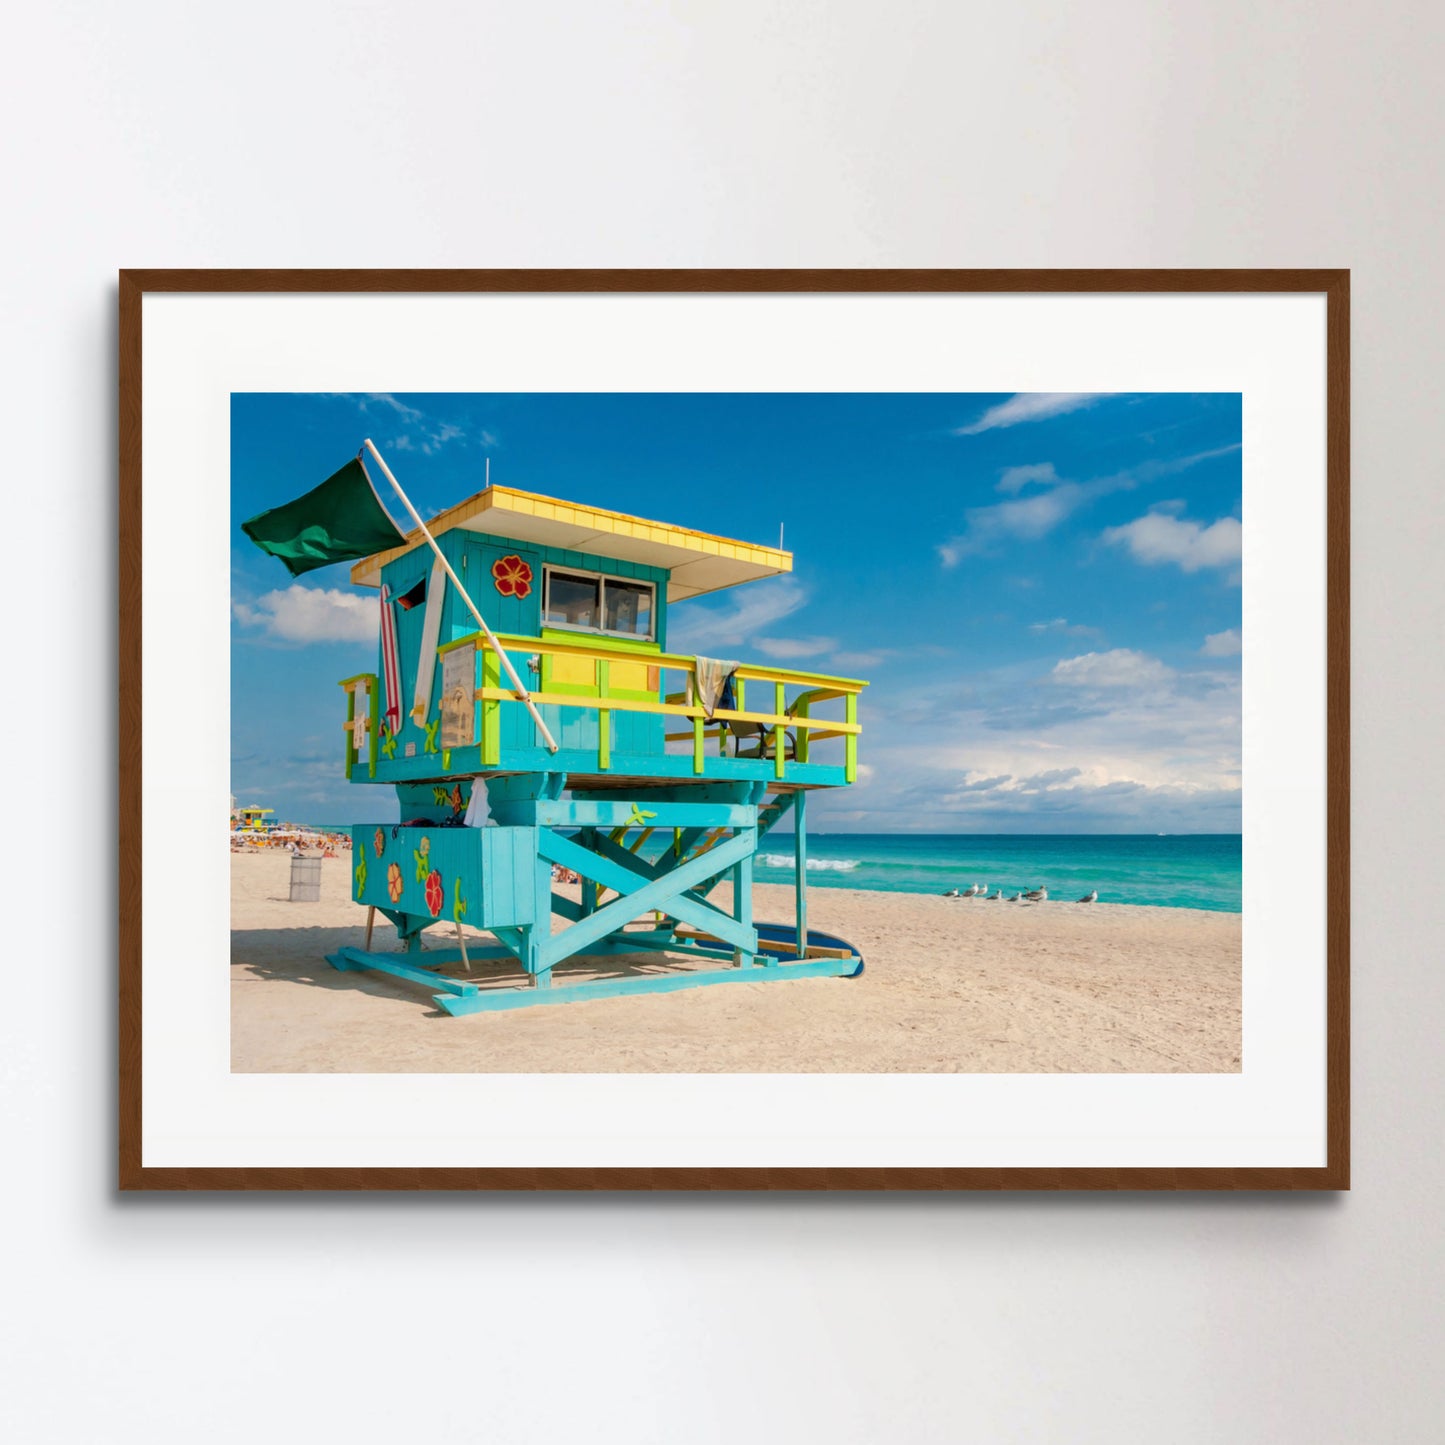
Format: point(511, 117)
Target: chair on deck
point(760, 739)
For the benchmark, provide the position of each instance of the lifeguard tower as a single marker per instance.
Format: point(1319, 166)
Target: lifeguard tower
point(250, 820)
point(651, 775)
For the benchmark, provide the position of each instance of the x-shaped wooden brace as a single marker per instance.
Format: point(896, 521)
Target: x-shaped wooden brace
point(643, 886)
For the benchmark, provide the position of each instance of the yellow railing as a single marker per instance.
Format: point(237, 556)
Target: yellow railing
point(784, 717)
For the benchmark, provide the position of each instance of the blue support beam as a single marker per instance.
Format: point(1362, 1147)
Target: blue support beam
point(490, 1000)
point(689, 907)
point(800, 867)
point(355, 959)
point(666, 891)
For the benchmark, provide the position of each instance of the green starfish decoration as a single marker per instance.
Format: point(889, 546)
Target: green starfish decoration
point(638, 817)
point(430, 746)
point(361, 875)
point(422, 854)
point(388, 742)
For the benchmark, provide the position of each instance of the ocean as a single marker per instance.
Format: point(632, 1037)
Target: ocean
point(1172, 870)
point(1200, 870)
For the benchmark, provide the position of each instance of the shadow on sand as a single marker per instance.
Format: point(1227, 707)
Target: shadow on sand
point(297, 956)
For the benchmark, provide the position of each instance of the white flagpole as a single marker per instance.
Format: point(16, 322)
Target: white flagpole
point(522, 693)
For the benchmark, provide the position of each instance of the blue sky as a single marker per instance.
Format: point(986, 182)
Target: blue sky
point(1043, 589)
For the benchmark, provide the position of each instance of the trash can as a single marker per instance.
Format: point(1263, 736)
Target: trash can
point(306, 880)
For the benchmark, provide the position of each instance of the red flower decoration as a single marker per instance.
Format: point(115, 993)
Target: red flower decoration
point(394, 882)
point(435, 893)
point(512, 576)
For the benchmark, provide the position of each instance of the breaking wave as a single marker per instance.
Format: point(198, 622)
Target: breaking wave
point(826, 865)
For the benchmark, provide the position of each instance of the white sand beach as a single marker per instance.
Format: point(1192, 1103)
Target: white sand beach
point(950, 986)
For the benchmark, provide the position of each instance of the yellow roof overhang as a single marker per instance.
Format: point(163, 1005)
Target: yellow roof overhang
point(696, 561)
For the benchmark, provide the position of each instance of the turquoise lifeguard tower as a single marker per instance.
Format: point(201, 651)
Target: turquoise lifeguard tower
point(651, 775)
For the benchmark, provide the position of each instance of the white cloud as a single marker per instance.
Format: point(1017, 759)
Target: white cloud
point(787, 647)
point(424, 433)
point(1064, 626)
point(312, 614)
point(1123, 667)
point(1028, 406)
point(1157, 538)
point(1223, 644)
point(385, 398)
point(1015, 479)
point(1113, 741)
point(1026, 519)
point(699, 627)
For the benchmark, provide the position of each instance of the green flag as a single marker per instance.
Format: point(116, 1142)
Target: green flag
point(340, 521)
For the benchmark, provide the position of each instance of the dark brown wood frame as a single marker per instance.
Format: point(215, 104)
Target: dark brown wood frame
point(1334, 1174)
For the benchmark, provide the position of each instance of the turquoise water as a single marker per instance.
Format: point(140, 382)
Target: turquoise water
point(1201, 870)
point(1187, 870)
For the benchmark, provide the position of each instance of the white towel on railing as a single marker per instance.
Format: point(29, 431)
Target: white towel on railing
point(713, 676)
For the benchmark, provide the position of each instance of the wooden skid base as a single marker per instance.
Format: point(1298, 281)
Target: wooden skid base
point(827, 957)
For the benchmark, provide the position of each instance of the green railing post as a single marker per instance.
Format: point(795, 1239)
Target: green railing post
point(491, 743)
point(850, 743)
point(350, 733)
point(780, 702)
point(373, 726)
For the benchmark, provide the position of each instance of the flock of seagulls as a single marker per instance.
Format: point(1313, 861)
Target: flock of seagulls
point(1032, 895)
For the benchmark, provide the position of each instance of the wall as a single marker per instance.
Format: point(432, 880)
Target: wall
point(1034, 134)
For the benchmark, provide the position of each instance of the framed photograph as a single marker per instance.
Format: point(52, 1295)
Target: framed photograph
point(734, 730)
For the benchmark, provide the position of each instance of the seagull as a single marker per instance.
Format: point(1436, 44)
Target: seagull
point(970, 892)
point(982, 890)
point(996, 896)
point(1014, 899)
point(1037, 895)
point(1092, 897)
point(952, 893)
